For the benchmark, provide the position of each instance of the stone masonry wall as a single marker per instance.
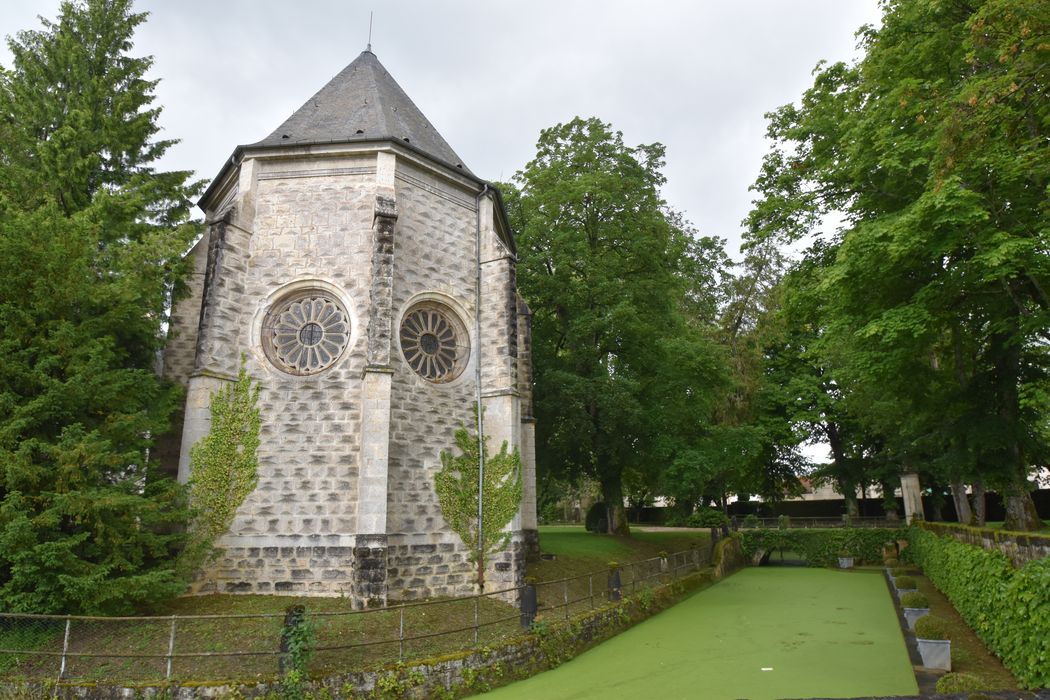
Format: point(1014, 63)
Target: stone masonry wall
point(180, 348)
point(302, 223)
point(434, 256)
point(294, 533)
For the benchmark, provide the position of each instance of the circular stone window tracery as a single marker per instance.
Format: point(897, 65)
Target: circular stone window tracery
point(307, 333)
point(434, 342)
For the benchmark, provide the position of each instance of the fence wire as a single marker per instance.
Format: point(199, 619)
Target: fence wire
point(213, 647)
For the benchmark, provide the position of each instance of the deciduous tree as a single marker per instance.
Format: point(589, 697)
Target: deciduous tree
point(604, 267)
point(934, 148)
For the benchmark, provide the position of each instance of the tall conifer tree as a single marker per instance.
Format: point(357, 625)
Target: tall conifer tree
point(90, 242)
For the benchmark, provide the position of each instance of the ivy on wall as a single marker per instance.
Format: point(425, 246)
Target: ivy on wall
point(1008, 608)
point(456, 484)
point(223, 464)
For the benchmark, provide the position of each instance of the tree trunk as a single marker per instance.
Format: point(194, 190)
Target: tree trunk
point(849, 493)
point(979, 506)
point(852, 509)
point(612, 493)
point(962, 503)
point(1020, 510)
point(889, 502)
point(1021, 514)
point(847, 487)
point(936, 503)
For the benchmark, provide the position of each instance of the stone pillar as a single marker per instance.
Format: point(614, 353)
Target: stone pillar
point(529, 526)
point(503, 424)
point(529, 522)
point(370, 549)
point(198, 416)
point(208, 350)
point(912, 492)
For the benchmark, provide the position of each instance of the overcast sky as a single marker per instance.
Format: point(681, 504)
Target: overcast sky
point(696, 76)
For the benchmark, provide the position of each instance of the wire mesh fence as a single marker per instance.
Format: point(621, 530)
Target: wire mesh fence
point(184, 648)
point(571, 596)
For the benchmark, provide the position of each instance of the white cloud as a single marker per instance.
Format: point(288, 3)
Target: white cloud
point(696, 76)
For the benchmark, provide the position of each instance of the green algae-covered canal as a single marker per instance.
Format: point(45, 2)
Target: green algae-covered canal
point(762, 633)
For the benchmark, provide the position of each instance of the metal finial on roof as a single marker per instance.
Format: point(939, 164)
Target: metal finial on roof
point(369, 48)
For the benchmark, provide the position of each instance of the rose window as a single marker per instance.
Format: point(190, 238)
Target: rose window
point(434, 343)
point(307, 334)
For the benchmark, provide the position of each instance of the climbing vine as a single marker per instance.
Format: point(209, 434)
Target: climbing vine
point(223, 464)
point(456, 485)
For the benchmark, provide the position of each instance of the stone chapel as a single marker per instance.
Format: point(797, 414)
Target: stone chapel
point(368, 276)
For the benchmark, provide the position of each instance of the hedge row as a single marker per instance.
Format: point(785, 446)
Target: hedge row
point(1008, 608)
point(822, 547)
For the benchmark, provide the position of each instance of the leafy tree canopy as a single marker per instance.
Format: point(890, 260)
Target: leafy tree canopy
point(625, 370)
point(934, 311)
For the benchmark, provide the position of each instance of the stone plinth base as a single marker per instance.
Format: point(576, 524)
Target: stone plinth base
point(531, 538)
point(369, 573)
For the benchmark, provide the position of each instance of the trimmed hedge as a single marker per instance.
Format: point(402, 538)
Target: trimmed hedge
point(931, 627)
point(1008, 608)
point(905, 583)
point(821, 547)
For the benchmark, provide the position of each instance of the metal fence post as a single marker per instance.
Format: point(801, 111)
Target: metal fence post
point(614, 585)
point(565, 596)
point(65, 648)
point(528, 605)
point(171, 649)
point(401, 635)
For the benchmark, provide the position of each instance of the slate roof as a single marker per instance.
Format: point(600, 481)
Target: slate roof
point(362, 103)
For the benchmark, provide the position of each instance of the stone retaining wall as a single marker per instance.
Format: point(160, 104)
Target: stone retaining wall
point(1019, 548)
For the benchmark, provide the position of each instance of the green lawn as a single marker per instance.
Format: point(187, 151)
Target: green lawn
point(584, 556)
point(573, 541)
point(761, 633)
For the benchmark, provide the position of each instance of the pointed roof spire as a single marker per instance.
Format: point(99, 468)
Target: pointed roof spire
point(363, 103)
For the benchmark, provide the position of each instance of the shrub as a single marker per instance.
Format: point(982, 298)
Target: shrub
point(931, 627)
point(597, 518)
point(914, 600)
point(906, 582)
point(751, 520)
point(892, 562)
point(1008, 608)
point(960, 683)
point(676, 519)
point(819, 547)
point(901, 571)
point(708, 517)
